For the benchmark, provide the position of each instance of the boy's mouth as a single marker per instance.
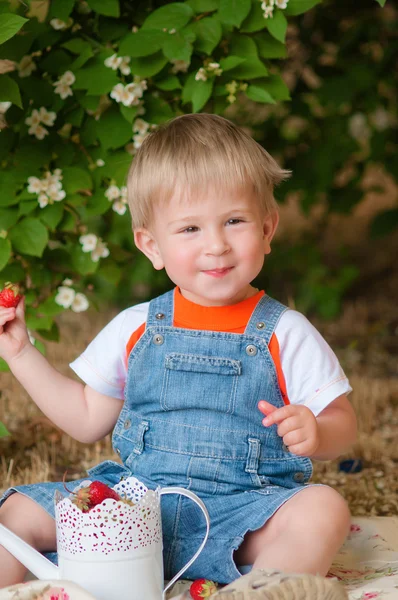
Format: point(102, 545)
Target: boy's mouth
point(218, 272)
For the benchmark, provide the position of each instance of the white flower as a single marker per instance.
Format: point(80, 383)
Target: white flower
point(67, 281)
point(138, 139)
point(89, 242)
point(100, 251)
point(99, 162)
point(80, 303)
point(267, 7)
point(43, 200)
point(113, 62)
point(35, 185)
point(281, 3)
point(26, 66)
point(358, 127)
point(179, 66)
point(65, 296)
point(140, 126)
point(215, 68)
point(63, 90)
point(124, 65)
point(121, 94)
point(34, 118)
point(58, 24)
point(4, 106)
point(381, 119)
point(55, 194)
point(68, 78)
point(119, 207)
point(123, 192)
point(112, 193)
point(201, 75)
point(47, 117)
point(39, 131)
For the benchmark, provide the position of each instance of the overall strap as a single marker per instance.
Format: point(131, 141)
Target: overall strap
point(161, 310)
point(265, 318)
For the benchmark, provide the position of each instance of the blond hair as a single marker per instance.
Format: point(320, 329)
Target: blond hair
point(195, 151)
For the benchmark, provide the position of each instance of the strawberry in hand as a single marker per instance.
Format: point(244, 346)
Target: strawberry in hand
point(10, 296)
point(202, 588)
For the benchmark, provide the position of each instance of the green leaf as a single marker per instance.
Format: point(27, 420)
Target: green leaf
point(255, 20)
point(157, 109)
point(5, 252)
point(60, 9)
point(9, 91)
point(269, 47)
point(148, 65)
point(9, 182)
point(176, 47)
point(3, 429)
point(384, 223)
point(76, 179)
point(112, 129)
point(297, 7)
point(201, 6)
point(233, 12)
point(29, 236)
point(8, 217)
point(97, 79)
point(49, 307)
point(128, 112)
point(82, 262)
point(252, 68)
point(208, 32)
point(275, 85)
point(168, 83)
point(51, 215)
point(109, 8)
point(242, 45)
point(201, 93)
point(9, 25)
point(277, 25)
point(142, 43)
point(258, 94)
point(231, 62)
point(76, 45)
point(381, 2)
point(172, 16)
point(36, 323)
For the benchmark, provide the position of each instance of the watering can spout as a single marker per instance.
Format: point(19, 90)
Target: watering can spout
point(37, 564)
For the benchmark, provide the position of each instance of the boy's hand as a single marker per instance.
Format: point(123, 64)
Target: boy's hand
point(13, 333)
point(297, 426)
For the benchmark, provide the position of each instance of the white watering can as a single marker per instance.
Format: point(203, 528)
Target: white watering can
point(114, 551)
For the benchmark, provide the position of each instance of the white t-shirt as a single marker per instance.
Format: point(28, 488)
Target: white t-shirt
point(312, 373)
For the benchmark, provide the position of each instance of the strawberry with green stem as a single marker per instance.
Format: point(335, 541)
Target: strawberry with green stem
point(89, 496)
point(202, 588)
point(10, 296)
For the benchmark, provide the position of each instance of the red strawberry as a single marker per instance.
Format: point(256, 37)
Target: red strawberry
point(91, 495)
point(9, 295)
point(202, 588)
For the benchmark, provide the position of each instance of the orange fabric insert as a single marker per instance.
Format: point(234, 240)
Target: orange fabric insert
point(232, 319)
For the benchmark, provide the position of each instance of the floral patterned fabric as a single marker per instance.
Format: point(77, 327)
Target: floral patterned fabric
point(367, 565)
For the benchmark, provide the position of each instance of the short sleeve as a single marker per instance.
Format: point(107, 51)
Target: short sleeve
point(103, 365)
point(313, 374)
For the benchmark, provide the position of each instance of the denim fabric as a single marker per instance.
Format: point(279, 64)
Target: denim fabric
point(190, 418)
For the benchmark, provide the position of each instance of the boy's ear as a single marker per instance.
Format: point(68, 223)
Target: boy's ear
point(270, 224)
point(145, 241)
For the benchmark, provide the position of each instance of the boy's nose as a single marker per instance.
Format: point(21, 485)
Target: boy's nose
point(216, 244)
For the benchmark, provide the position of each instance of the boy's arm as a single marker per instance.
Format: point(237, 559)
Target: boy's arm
point(337, 429)
point(80, 411)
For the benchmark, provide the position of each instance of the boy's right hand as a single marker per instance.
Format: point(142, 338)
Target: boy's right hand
point(13, 333)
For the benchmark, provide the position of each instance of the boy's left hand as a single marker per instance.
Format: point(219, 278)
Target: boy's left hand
point(297, 426)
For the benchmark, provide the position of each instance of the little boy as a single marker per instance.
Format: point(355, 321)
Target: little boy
point(213, 386)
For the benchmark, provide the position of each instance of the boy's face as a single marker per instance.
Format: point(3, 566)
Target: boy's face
point(212, 246)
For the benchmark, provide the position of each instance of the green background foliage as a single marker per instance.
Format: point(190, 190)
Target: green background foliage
point(346, 52)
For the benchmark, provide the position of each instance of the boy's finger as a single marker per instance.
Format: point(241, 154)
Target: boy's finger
point(265, 407)
point(277, 416)
point(20, 310)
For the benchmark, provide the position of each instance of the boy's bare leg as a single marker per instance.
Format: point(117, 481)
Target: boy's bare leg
point(303, 536)
point(29, 521)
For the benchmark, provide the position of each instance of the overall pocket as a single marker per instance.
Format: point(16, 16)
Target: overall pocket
point(199, 382)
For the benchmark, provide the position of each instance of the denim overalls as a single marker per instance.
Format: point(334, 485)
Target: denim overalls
point(190, 418)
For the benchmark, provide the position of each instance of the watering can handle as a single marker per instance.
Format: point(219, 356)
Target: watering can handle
point(198, 501)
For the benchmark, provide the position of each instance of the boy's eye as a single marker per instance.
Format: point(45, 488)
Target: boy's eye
point(234, 221)
point(190, 229)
